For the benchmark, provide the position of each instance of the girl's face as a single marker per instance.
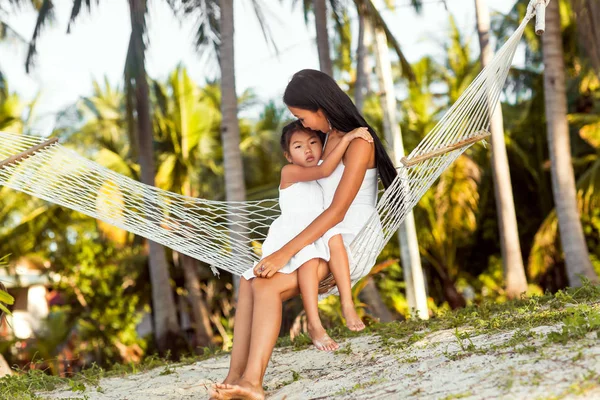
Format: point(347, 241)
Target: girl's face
point(305, 149)
point(314, 120)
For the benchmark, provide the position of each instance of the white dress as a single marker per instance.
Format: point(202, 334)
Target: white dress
point(360, 210)
point(300, 204)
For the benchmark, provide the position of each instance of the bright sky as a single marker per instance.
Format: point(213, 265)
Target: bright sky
point(97, 45)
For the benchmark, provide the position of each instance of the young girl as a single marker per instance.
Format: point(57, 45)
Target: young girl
point(301, 201)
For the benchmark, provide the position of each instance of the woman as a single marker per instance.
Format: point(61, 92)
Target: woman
point(320, 104)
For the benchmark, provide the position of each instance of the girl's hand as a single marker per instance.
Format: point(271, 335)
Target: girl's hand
point(268, 266)
point(361, 132)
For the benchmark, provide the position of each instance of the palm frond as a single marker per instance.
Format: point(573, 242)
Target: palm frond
point(379, 22)
point(76, 9)
point(207, 16)
point(264, 26)
point(45, 14)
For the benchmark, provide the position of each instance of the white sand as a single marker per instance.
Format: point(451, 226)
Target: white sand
point(423, 370)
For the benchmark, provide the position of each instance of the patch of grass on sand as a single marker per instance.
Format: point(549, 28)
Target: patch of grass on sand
point(29, 385)
point(457, 396)
point(360, 386)
point(576, 309)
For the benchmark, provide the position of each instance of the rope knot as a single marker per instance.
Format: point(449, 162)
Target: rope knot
point(532, 6)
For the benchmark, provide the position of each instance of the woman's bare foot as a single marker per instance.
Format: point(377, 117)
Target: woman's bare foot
point(241, 390)
point(214, 392)
point(353, 321)
point(321, 339)
point(229, 380)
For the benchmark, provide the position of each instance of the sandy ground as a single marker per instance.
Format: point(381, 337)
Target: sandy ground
point(435, 367)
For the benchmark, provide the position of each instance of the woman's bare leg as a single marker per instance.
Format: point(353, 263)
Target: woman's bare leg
point(308, 280)
point(340, 268)
point(241, 332)
point(269, 295)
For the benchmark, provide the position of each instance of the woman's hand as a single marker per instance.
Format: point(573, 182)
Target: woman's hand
point(268, 266)
point(361, 132)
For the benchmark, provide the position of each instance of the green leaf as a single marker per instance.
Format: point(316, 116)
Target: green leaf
point(4, 309)
point(6, 298)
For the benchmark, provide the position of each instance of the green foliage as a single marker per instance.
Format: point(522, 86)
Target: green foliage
point(100, 279)
point(5, 298)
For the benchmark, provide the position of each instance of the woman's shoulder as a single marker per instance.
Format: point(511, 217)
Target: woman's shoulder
point(360, 153)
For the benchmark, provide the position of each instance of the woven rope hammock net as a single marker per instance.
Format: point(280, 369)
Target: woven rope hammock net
point(226, 235)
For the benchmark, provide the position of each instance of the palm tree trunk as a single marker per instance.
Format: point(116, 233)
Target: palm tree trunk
point(377, 308)
point(454, 298)
point(235, 189)
point(514, 271)
point(202, 327)
point(407, 233)
point(166, 326)
point(577, 258)
point(360, 85)
point(322, 36)
point(588, 27)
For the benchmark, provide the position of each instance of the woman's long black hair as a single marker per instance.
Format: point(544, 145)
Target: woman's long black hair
point(312, 90)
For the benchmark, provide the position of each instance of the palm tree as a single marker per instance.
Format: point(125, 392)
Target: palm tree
point(6, 31)
point(563, 182)
point(183, 123)
point(363, 44)
point(320, 9)
point(235, 187)
point(165, 315)
point(514, 271)
point(447, 214)
point(407, 233)
point(140, 129)
point(588, 14)
point(370, 18)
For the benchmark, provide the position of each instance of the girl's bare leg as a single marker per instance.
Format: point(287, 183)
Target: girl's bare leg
point(340, 268)
point(269, 295)
point(308, 280)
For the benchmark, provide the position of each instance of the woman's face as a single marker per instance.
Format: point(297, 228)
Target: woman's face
point(314, 120)
point(305, 149)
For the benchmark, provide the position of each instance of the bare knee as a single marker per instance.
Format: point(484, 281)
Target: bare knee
point(336, 242)
point(323, 269)
point(262, 286)
point(258, 284)
point(310, 265)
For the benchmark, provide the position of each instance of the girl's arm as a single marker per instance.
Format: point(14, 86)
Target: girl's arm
point(358, 156)
point(292, 173)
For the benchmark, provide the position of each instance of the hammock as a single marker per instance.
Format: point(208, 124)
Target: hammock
point(226, 235)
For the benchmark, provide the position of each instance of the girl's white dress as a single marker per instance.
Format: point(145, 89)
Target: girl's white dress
point(300, 204)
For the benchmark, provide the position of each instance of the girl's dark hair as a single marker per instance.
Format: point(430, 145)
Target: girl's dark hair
point(312, 90)
point(290, 129)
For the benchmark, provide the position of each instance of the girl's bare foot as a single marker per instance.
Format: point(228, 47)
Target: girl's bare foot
point(353, 321)
point(321, 339)
point(241, 390)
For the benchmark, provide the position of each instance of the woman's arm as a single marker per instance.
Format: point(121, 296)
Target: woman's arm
point(357, 156)
point(293, 173)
